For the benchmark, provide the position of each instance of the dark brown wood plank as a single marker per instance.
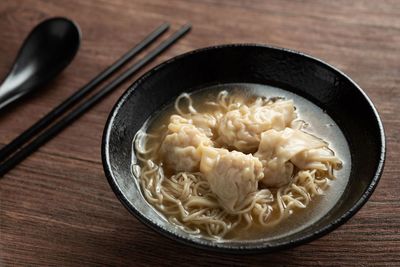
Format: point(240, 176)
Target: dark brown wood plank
point(56, 207)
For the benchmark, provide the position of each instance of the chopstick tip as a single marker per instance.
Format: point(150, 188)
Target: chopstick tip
point(165, 25)
point(188, 25)
point(186, 28)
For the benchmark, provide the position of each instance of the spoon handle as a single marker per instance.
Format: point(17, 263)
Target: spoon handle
point(12, 89)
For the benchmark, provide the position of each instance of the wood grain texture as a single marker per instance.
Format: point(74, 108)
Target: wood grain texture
point(56, 207)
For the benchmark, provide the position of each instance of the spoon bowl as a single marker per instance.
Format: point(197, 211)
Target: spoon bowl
point(47, 50)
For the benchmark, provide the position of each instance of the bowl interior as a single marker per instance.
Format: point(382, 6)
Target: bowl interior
point(310, 78)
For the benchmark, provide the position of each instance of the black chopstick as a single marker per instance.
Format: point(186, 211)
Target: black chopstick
point(87, 104)
point(23, 138)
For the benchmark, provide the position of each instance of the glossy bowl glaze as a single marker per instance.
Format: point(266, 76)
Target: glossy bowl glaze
point(306, 76)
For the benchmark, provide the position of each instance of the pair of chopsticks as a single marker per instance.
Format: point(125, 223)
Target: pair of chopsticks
point(14, 152)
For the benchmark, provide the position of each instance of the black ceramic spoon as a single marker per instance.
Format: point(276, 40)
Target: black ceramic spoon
point(47, 50)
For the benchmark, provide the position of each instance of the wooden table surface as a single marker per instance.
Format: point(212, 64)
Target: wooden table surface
point(56, 207)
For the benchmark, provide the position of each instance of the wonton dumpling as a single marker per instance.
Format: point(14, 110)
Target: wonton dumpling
point(276, 150)
point(241, 128)
point(277, 172)
point(181, 147)
point(232, 175)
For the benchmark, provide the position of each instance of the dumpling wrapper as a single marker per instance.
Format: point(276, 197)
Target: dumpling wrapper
point(181, 147)
point(241, 128)
point(316, 159)
point(205, 122)
point(232, 175)
point(279, 150)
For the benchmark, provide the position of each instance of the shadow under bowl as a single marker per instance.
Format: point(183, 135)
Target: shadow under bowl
point(303, 75)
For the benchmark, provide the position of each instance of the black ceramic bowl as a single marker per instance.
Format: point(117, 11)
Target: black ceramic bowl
point(308, 77)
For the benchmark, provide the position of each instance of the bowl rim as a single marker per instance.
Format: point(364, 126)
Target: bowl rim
point(241, 249)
